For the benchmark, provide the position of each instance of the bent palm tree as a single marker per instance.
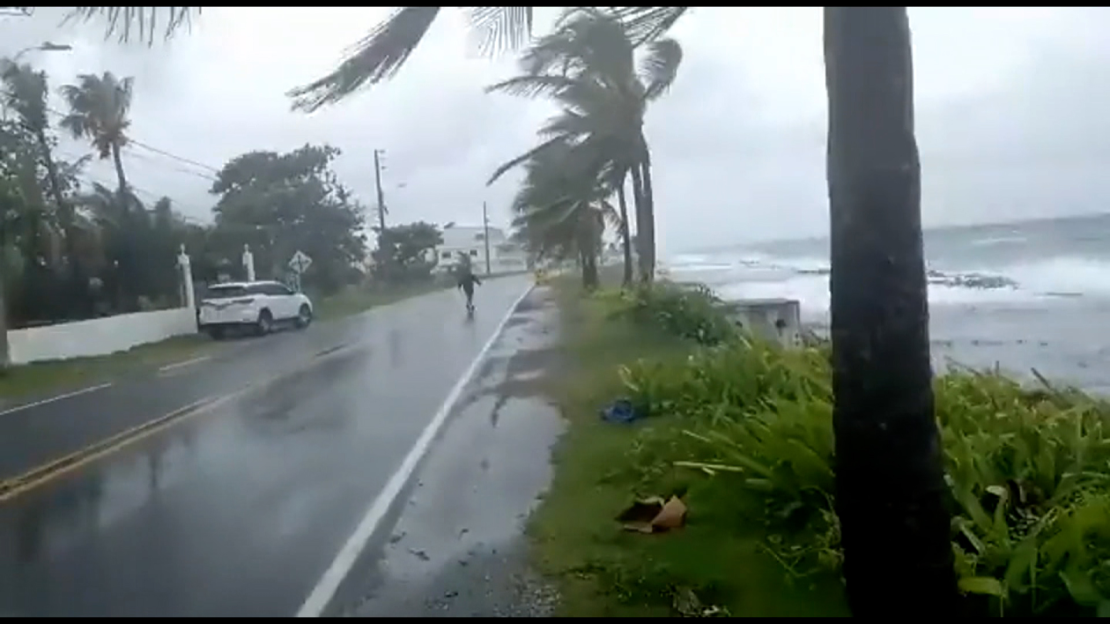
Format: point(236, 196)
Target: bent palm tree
point(588, 66)
point(99, 107)
point(890, 482)
point(561, 209)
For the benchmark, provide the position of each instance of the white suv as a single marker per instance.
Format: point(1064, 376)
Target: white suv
point(257, 305)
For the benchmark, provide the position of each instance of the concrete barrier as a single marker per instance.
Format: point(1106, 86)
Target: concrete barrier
point(98, 336)
point(771, 319)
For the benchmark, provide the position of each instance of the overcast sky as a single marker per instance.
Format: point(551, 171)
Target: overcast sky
point(1010, 110)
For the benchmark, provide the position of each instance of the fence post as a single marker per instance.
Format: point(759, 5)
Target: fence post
point(187, 279)
point(248, 262)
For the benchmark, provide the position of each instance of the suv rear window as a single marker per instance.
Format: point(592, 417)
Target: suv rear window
point(223, 292)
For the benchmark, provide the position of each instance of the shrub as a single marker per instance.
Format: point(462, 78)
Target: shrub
point(1028, 470)
point(689, 311)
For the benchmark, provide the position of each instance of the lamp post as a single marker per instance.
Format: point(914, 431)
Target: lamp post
point(46, 46)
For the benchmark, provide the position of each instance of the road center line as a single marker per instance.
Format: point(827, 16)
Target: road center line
point(55, 398)
point(329, 583)
point(45, 473)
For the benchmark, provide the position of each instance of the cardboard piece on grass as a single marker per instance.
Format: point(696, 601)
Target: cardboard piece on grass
point(654, 515)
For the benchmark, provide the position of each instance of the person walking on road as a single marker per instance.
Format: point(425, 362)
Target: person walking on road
point(467, 281)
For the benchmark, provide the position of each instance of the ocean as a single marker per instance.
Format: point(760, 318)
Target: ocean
point(1022, 295)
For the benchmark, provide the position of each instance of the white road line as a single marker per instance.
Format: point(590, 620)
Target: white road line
point(55, 398)
point(329, 583)
point(196, 360)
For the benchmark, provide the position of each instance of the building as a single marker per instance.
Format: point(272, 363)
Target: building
point(469, 241)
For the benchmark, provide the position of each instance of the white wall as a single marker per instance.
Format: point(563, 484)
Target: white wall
point(98, 336)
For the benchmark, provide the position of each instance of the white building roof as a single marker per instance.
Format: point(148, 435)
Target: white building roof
point(470, 236)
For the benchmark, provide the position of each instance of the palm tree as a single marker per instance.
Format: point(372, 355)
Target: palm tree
point(588, 66)
point(99, 107)
point(25, 92)
point(561, 209)
point(890, 482)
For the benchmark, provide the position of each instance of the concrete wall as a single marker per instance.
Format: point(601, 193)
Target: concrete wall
point(773, 319)
point(98, 336)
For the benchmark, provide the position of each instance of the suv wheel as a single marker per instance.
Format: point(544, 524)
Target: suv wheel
point(304, 316)
point(265, 323)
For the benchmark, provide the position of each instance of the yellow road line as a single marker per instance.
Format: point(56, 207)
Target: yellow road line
point(41, 475)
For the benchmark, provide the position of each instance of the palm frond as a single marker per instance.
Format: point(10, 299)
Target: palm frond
point(532, 85)
point(645, 24)
point(376, 57)
point(124, 22)
point(660, 67)
point(526, 156)
point(500, 28)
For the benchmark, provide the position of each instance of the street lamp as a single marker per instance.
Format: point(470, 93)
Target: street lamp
point(46, 46)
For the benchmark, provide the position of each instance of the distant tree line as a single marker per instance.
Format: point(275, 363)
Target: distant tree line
point(74, 248)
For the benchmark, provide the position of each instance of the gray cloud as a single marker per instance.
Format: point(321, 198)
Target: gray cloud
point(1009, 114)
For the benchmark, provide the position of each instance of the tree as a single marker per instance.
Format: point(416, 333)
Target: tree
point(25, 93)
point(282, 203)
point(588, 66)
point(561, 209)
point(402, 253)
point(99, 107)
point(890, 483)
point(134, 269)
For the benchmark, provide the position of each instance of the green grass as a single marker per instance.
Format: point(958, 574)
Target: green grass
point(355, 300)
point(602, 570)
point(40, 378)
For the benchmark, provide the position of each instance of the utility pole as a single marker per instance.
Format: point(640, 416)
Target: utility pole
point(485, 235)
point(381, 196)
point(4, 355)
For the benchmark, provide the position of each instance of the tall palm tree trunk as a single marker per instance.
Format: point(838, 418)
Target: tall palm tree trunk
point(626, 238)
point(588, 234)
point(641, 222)
point(76, 295)
point(117, 159)
point(5, 356)
point(889, 475)
point(647, 226)
point(64, 209)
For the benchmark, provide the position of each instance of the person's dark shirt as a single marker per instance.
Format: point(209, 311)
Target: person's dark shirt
point(468, 280)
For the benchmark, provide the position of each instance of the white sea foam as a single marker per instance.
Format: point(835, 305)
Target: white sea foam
point(753, 275)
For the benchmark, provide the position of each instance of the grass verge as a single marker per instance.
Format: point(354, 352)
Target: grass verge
point(714, 565)
point(356, 300)
point(41, 378)
point(742, 431)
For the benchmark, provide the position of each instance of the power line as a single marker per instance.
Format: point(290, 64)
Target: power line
point(173, 156)
point(162, 152)
point(146, 158)
point(157, 150)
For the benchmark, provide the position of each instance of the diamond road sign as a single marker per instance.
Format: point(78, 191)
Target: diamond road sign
point(300, 262)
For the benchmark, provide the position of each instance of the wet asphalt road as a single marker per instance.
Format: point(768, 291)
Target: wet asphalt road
point(239, 510)
point(456, 546)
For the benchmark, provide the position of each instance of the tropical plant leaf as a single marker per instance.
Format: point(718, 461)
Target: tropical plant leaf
point(142, 23)
point(378, 56)
point(501, 28)
point(660, 67)
point(645, 24)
